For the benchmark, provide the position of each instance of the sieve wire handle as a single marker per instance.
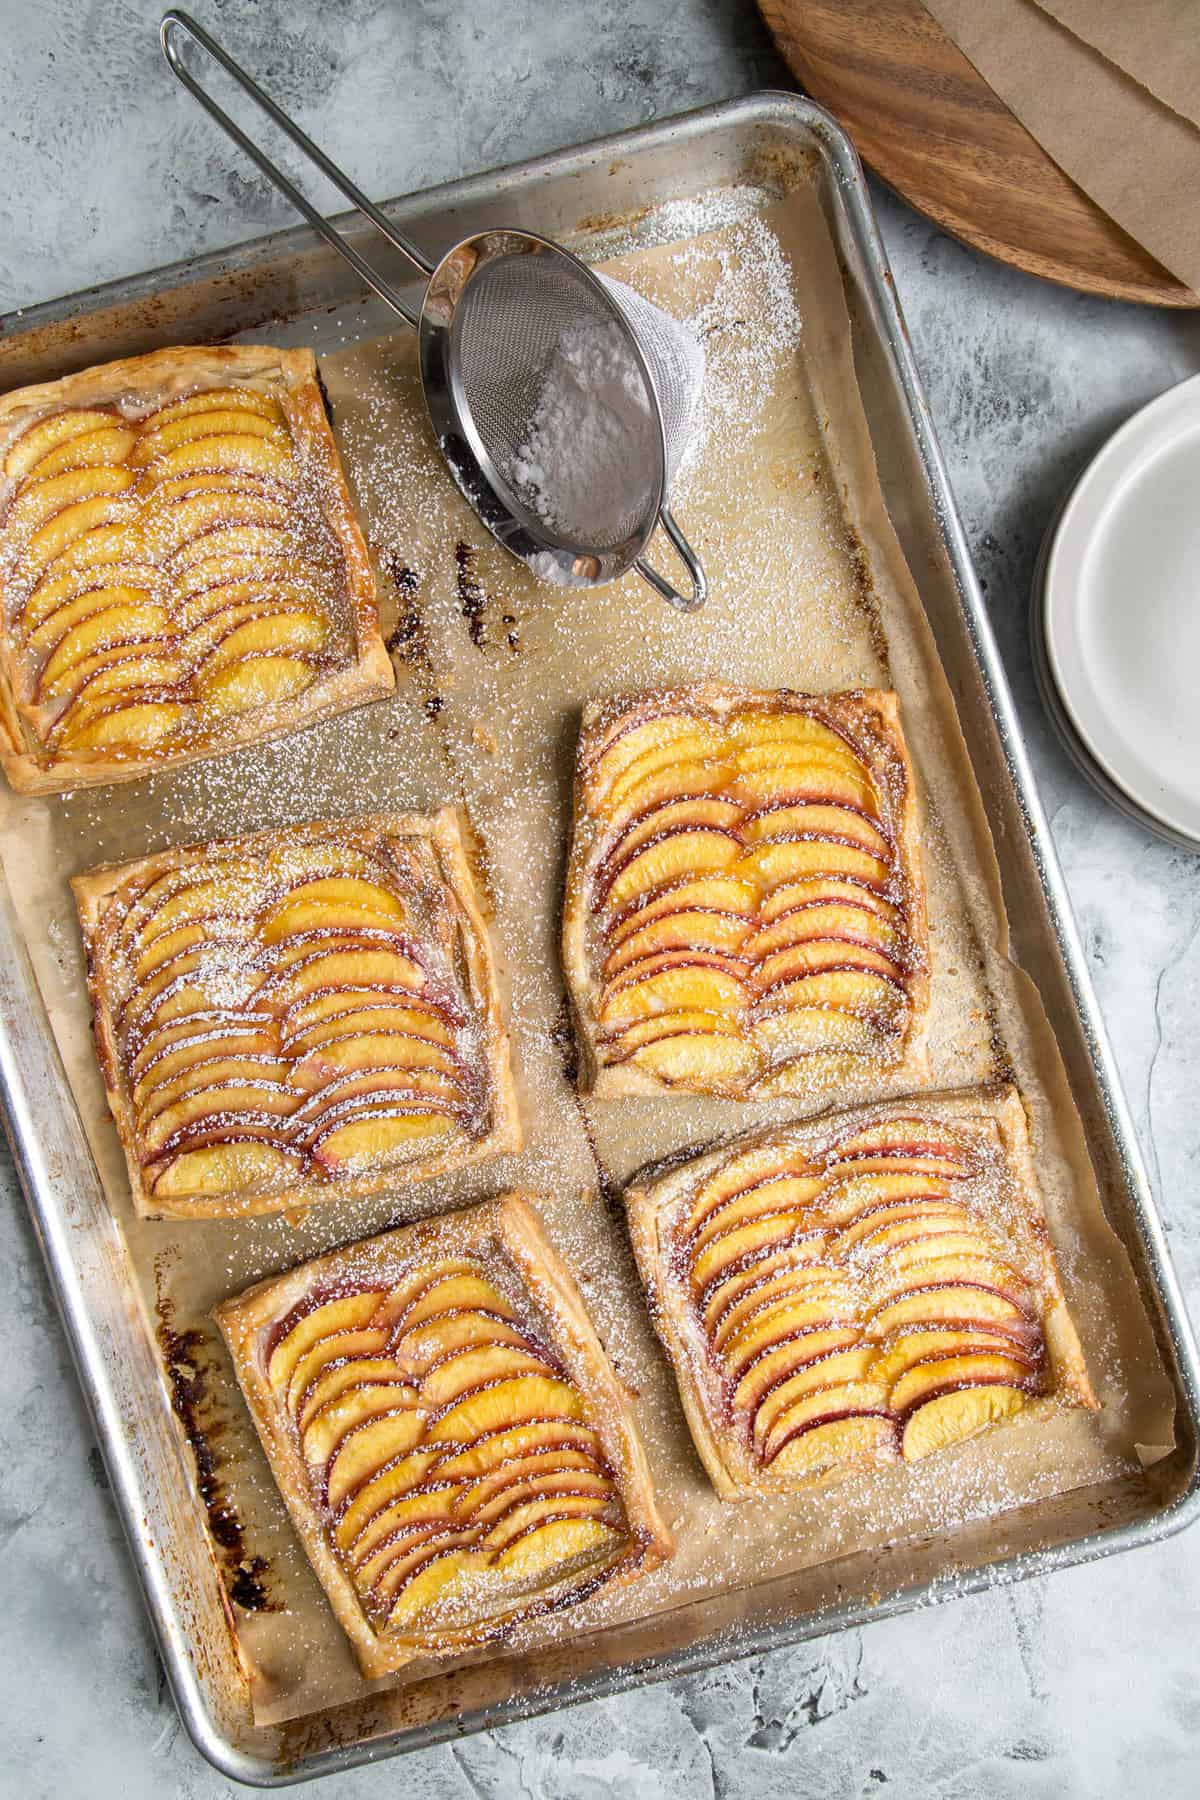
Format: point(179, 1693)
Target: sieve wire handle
point(176, 24)
point(690, 561)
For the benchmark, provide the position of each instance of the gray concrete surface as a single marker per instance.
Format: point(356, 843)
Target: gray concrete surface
point(1078, 1685)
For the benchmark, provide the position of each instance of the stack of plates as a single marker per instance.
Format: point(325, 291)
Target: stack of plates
point(1116, 618)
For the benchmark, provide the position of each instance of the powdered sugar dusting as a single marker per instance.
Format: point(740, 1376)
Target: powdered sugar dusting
point(591, 436)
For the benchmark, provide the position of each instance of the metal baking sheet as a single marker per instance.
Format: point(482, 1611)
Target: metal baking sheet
point(296, 290)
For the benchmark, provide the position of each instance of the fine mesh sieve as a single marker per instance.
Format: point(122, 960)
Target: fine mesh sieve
point(497, 311)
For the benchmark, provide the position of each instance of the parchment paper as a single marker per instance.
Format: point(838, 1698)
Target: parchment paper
point(809, 590)
point(1136, 157)
point(1155, 41)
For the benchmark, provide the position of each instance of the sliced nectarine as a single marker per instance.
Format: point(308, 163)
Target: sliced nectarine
point(848, 990)
point(698, 810)
point(495, 1449)
point(558, 1541)
point(719, 1211)
point(428, 1342)
point(819, 1326)
point(376, 1137)
point(172, 1051)
point(406, 1596)
point(459, 1290)
point(44, 501)
point(368, 1447)
point(479, 1494)
point(926, 1379)
point(798, 960)
point(245, 399)
point(828, 889)
point(124, 620)
point(67, 540)
point(869, 1226)
point(203, 1073)
point(694, 929)
point(156, 440)
point(426, 1506)
point(328, 968)
point(45, 435)
point(225, 1168)
point(470, 1368)
point(684, 852)
point(347, 1011)
point(313, 1326)
point(834, 823)
point(221, 1099)
point(351, 1409)
point(332, 1372)
point(712, 893)
point(107, 444)
point(709, 1061)
point(230, 450)
point(798, 1353)
point(136, 725)
point(531, 1515)
point(394, 1481)
point(672, 781)
point(758, 1236)
point(855, 1441)
point(952, 1418)
point(806, 1303)
point(796, 859)
point(912, 1347)
point(520, 1400)
point(689, 986)
point(667, 737)
point(261, 681)
point(292, 631)
point(804, 923)
point(821, 1403)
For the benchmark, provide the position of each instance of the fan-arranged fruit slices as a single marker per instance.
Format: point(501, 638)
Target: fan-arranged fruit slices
point(745, 911)
point(863, 1289)
point(449, 1436)
point(297, 1015)
point(180, 566)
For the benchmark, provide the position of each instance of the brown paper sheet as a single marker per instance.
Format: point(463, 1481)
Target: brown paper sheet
point(1155, 41)
point(1136, 158)
point(809, 590)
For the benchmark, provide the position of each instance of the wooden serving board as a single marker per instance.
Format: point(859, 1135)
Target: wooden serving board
point(925, 120)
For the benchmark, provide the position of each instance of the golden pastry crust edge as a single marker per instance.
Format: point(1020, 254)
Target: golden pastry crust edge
point(511, 1224)
point(621, 1081)
point(441, 828)
point(733, 1472)
point(164, 372)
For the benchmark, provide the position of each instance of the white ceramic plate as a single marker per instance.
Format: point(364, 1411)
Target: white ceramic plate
point(1121, 609)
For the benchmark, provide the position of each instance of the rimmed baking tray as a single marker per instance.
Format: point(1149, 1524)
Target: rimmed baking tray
point(299, 292)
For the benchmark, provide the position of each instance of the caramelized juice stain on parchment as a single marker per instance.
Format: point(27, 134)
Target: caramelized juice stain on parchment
point(808, 591)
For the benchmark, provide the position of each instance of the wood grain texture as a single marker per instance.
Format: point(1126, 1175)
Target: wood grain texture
point(925, 120)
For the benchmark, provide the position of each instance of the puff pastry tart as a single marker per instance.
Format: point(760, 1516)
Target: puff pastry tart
point(297, 1016)
point(449, 1436)
point(180, 567)
point(745, 912)
point(863, 1289)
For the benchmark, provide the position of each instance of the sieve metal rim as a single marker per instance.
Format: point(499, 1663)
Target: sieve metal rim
point(485, 486)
